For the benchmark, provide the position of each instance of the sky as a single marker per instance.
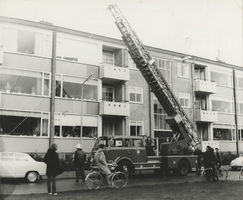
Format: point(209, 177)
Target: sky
point(210, 29)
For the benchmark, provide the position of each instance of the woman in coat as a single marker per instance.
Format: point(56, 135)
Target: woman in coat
point(52, 161)
point(102, 163)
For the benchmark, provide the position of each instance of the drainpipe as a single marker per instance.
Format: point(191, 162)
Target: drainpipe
point(193, 96)
point(236, 119)
point(150, 114)
point(53, 89)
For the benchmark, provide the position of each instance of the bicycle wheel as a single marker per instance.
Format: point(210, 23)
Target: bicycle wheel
point(222, 174)
point(241, 172)
point(206, 175)
point(119, 180)
point(93, 180)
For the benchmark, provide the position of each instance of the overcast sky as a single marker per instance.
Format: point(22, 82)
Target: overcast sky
point(204, 28)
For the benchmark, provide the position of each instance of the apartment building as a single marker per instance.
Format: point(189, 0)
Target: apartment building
point(67, 86)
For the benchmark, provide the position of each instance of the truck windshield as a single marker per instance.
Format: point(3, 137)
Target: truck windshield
point(101, 140)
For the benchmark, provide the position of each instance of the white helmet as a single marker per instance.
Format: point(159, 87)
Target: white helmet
point(78, 146)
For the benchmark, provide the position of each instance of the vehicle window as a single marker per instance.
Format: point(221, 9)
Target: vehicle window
point(118, 143)
point(6, 157)
point(137, 143)
point(128, 143)
point(20, 158)
point(101, 141)
point(111, 143)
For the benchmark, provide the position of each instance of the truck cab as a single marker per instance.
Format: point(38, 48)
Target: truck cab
point(129, 152)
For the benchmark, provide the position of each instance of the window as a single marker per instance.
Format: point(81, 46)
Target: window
point(67, 125)
point(239, 79)
point(71, 87)
point(199, 73)
point(72, 49)
point(184, 100)
point(107, 93)
point(222, 104)
point(223, 132)
point(7, 157)
point(137, 143)
point(25, 82)
point(159, 116)
point(240, 132)
point(27, 42)
point(164, 66)
point(201, 102)
point(240, 106)
point(183, 70)
point(221, 77)
point(20, 158)
point(118, 142)
point(23, 123)
point(107, 127)
point(202, 130)
point(136, 94)
point(74, 131)
point(108, 57)
point(136, 128)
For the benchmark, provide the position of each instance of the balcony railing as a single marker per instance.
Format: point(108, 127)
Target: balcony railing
point(206, 116)
point(115, 108)
point(205, 86)
point(114, 73)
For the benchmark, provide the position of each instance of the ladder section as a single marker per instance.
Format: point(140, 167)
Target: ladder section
point(153, 76)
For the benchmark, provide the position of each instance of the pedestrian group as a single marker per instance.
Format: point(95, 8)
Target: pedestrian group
point(210, 159)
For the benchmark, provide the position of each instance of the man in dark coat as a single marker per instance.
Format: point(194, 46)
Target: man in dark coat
point(218, 158)
point(52, 161)
point(209, 160)
point(79, 159)
point(198, 152)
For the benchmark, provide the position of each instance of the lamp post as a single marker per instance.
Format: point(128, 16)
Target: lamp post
point(82, 100)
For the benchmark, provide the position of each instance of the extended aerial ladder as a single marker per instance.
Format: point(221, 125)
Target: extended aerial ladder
point(183, 129)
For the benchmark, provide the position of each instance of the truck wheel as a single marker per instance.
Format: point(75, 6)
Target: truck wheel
point(124, 166)
point(183, 168)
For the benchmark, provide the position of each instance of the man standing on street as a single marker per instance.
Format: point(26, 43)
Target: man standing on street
point(218, 159)
point(79, 159)
point(52, 161)
point(198, 152)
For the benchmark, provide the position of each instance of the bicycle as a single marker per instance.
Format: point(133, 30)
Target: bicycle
point(221, 174)
point(95, 179)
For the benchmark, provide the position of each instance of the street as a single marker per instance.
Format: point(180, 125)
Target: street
point(66, 185)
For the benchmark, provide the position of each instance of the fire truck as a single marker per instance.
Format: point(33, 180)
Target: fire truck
point(175, 155)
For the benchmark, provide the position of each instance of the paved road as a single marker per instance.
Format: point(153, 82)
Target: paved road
point(66, 182)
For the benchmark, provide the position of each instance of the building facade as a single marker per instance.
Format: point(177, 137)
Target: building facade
point(57, 83)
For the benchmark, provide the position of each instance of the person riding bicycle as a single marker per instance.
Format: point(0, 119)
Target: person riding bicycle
point(210, 161)
point(101, 162)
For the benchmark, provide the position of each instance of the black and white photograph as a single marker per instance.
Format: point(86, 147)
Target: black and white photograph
point(121, 99)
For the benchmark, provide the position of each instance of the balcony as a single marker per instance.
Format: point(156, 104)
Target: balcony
point(114, 108)
point(204, 87)
point(113, 73)
point(206, 116)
